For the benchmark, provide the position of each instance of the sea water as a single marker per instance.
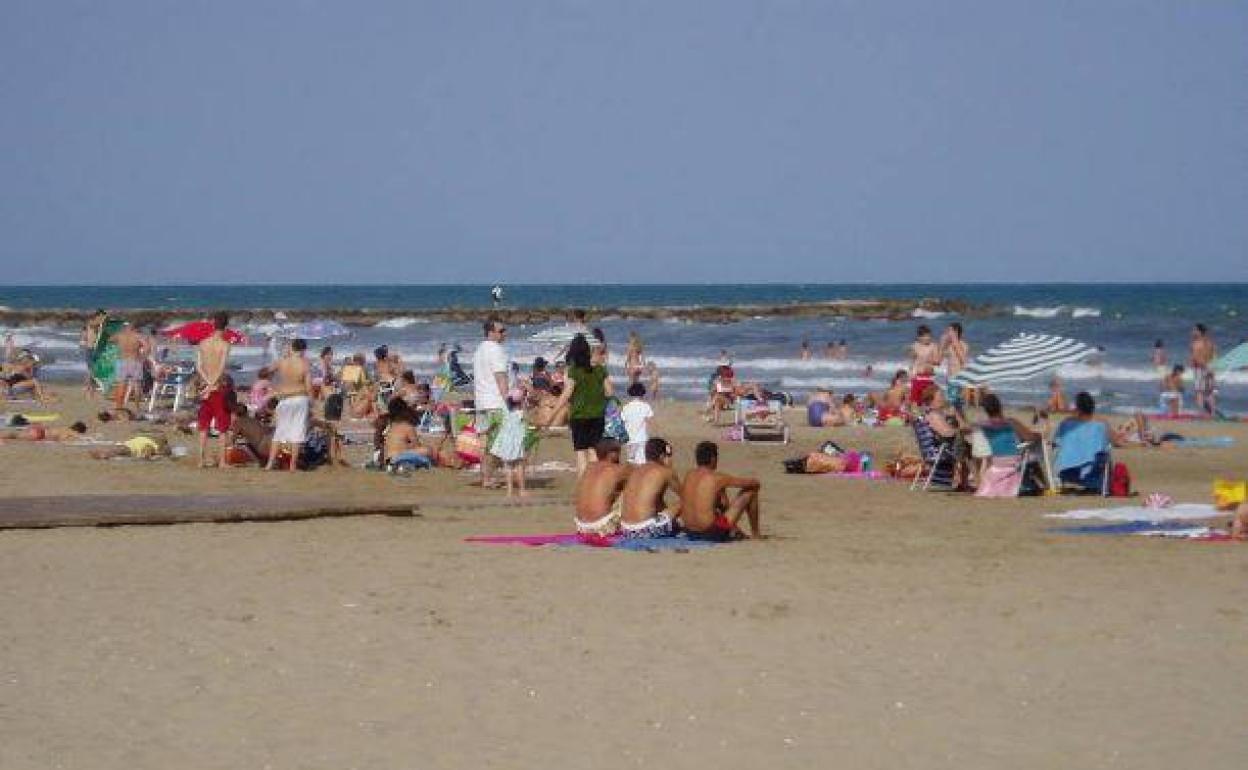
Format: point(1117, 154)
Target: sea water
point(1125, 320)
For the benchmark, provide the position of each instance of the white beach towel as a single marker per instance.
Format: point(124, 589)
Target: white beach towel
point(1140, 513)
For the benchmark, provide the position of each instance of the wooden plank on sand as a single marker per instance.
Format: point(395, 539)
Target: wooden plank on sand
point(119, 510)
point(116, 510)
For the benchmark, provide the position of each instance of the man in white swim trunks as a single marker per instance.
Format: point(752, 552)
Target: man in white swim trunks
point(644, 511)
point(598, 490)
point(294, 386)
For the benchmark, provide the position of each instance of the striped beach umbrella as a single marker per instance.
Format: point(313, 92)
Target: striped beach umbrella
point(1235, 358)
point(1021, 358)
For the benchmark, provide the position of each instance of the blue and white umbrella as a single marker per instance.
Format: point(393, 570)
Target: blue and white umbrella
point(320, 329)
point(1235, 358)
point(1021, 358)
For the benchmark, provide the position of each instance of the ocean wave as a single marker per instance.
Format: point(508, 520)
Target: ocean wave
point(399, 322)
point(925, 313)
point(1056, 310)
point(1038, 312)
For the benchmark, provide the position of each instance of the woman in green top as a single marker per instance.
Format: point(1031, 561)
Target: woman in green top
point(586, 392)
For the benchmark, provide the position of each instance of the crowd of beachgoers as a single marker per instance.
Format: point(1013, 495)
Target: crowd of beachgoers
point(297, 411)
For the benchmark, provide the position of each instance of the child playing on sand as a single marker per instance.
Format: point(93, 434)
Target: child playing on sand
point(508, 446)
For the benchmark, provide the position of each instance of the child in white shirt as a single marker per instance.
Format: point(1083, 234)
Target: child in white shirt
point(636, 415)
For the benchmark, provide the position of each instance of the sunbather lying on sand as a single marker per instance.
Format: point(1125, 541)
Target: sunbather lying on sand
point(707, 512)
point(644, 509)
point(43, 433)
point(598, 490)
point(143, 446)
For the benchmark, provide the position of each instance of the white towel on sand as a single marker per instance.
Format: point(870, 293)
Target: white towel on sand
point(1140, 513)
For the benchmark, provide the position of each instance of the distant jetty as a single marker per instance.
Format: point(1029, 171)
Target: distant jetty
point(859, 309)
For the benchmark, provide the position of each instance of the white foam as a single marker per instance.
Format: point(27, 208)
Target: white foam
point(1086, 312)
point(925, 313)
point(400, 322)
point(1038, 312)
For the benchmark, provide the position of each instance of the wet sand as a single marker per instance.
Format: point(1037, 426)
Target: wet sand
point(875, 628)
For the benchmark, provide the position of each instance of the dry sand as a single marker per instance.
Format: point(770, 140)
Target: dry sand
point(876, 628)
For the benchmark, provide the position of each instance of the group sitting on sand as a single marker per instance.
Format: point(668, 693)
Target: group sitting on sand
point(632, 500)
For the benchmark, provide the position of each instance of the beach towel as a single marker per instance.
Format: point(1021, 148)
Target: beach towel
point(1178, 530)
point(1206, 442)
point(1140, 513)
point(573, 540)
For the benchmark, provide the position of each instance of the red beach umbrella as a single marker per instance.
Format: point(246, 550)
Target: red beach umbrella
point(196, 332)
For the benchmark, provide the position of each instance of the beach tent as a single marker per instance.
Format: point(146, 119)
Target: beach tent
point(320, 329)
point(1021, 358)
point(1235, 358)
point(196, 332)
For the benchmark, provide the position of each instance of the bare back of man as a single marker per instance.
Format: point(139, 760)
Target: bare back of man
point(401, 437)
point(293, 376)
point(598, 490)
point(211, 358)
point(645, 493)
point(707, 510)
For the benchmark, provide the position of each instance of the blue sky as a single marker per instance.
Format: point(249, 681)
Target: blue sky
point(625, 142)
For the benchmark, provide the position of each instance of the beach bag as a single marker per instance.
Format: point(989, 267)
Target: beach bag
point(1120, 481)
point(469, 445)
point(614, 423)
point(315, 450)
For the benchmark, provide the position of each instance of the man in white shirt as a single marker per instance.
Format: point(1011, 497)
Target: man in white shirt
point(636, 415)
point(489, 389)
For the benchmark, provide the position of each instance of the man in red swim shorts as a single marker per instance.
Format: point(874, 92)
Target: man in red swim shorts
point(707, 512)
point(210, 361)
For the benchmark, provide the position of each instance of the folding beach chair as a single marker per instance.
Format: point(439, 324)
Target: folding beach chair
point(1003, 475)
point(1090, 477)
point(174, 383)
point(762, 421)
point(938, 459)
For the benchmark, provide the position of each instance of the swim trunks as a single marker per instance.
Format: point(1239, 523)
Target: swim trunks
point(130, 369)
point(1202, 377)
point(660, 524)
point(607, 525)
point(212, 411)
point(412, 460)
point(721, 531)
point(291, 420)
point(917, 385)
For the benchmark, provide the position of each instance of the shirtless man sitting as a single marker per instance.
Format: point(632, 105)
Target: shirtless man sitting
point(707, 513)
point(598, 491)
point(402, 444)
point(644, 511)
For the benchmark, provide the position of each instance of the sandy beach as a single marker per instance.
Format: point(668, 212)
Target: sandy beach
point(874, 628)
